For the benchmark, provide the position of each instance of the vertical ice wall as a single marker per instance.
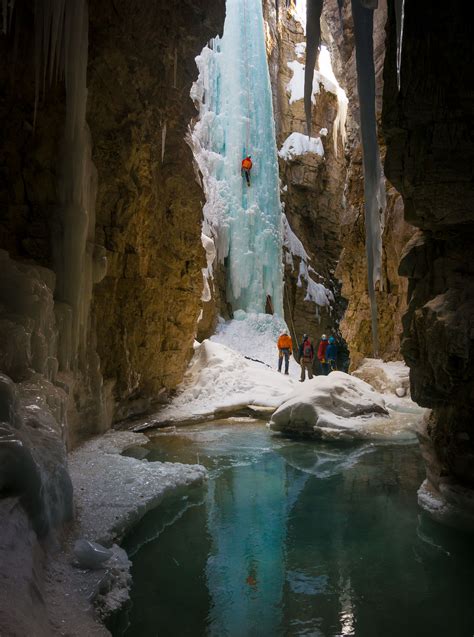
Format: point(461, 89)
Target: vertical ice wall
point(234, 98)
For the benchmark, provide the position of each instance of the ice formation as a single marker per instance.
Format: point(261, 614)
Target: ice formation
point(315, 292)
point(233, 95)
point(7, 11)
point(400, 17)
point(374, 187)
point(61, 34)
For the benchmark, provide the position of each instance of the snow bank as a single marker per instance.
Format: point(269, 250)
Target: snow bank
point(392, 376)
point(255, 336)
point(298, 144)
point(452, 504)
point(341, 407)
point(222, 381)
point(113, 492)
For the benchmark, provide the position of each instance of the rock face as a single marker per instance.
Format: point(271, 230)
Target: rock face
point(117, 346)
point(352, 268)
point(429, 160)
point(312, 183)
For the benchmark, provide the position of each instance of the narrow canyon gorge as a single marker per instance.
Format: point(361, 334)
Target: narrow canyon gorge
point(146, 277)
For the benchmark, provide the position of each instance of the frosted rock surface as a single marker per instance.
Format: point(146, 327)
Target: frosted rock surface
point(341, 407)
point(385, 377)
point(113, 492)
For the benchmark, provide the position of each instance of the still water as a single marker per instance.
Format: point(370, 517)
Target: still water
point(295, 538)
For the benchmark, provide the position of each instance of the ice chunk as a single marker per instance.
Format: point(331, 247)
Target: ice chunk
point(90, 555)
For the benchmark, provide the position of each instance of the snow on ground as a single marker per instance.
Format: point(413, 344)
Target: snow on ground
point(342, 407)
point(113, 492)
point(393, 376)
point(256, 336)
point(220, 380)
point(298, 144)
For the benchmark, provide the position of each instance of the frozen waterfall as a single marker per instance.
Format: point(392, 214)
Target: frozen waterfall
point(234, 98)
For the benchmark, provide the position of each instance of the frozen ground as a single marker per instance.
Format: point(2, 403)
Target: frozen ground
point(255, 336)
point(342, 407)
point(113, 492)
point(221, 381)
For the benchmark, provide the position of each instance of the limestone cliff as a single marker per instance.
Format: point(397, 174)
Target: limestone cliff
point(149, 203)
point(312, 182)
point(352, 269)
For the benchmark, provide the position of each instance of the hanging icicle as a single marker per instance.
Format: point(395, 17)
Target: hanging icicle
point(400, 18)
point(163, 139)
point(374, 186)
point(7, 14)
point(374, 189)
point(313, 38)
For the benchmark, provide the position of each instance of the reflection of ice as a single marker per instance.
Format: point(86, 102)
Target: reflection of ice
point(305, 584)
point(322, 463)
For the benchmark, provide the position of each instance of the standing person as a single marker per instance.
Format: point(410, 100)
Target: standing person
point(246, 168)
point(331, 354)
point(306, 353)
point(323, 343)
point(285, 349)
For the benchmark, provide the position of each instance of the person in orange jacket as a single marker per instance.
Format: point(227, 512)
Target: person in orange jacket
point(285, 349)
point(246, 168)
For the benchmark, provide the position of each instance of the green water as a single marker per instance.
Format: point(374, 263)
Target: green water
point(295, 538)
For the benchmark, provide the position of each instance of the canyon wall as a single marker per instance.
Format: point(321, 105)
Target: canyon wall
point(352, 267)
point(430, 159)
point(100, 251)
point(312, 184)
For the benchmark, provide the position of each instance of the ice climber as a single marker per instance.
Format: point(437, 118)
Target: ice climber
point(246, 168)
point(306, 353)
point(331, 354)
point(323, 344)
point(285, 349)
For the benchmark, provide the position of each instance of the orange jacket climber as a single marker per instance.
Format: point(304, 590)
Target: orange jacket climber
point(246, 168)
point(284, 342)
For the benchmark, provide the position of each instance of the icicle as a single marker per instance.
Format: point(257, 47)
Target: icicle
point(400, 17)
point(374, 191)
point(175, 70)
point(7, 14)
point(313, 37)
point(163, 140)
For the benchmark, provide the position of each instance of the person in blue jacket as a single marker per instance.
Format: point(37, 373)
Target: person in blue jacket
point(331, 354)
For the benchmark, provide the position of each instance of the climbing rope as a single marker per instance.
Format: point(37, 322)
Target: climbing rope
point(292, 327)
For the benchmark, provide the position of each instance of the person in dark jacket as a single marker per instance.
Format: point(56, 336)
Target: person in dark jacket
point(306, 353)
point(331, 354)
point(323, 344)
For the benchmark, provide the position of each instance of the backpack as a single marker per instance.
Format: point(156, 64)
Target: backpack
point(307, 349)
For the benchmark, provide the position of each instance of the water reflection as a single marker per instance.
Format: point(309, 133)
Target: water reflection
point(294, 538)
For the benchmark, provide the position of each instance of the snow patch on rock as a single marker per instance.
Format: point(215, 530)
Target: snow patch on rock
point(298, 144)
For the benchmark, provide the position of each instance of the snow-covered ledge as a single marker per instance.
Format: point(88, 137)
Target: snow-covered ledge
point(113, 492)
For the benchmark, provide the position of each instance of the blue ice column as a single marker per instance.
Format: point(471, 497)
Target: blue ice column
point(241, 98)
